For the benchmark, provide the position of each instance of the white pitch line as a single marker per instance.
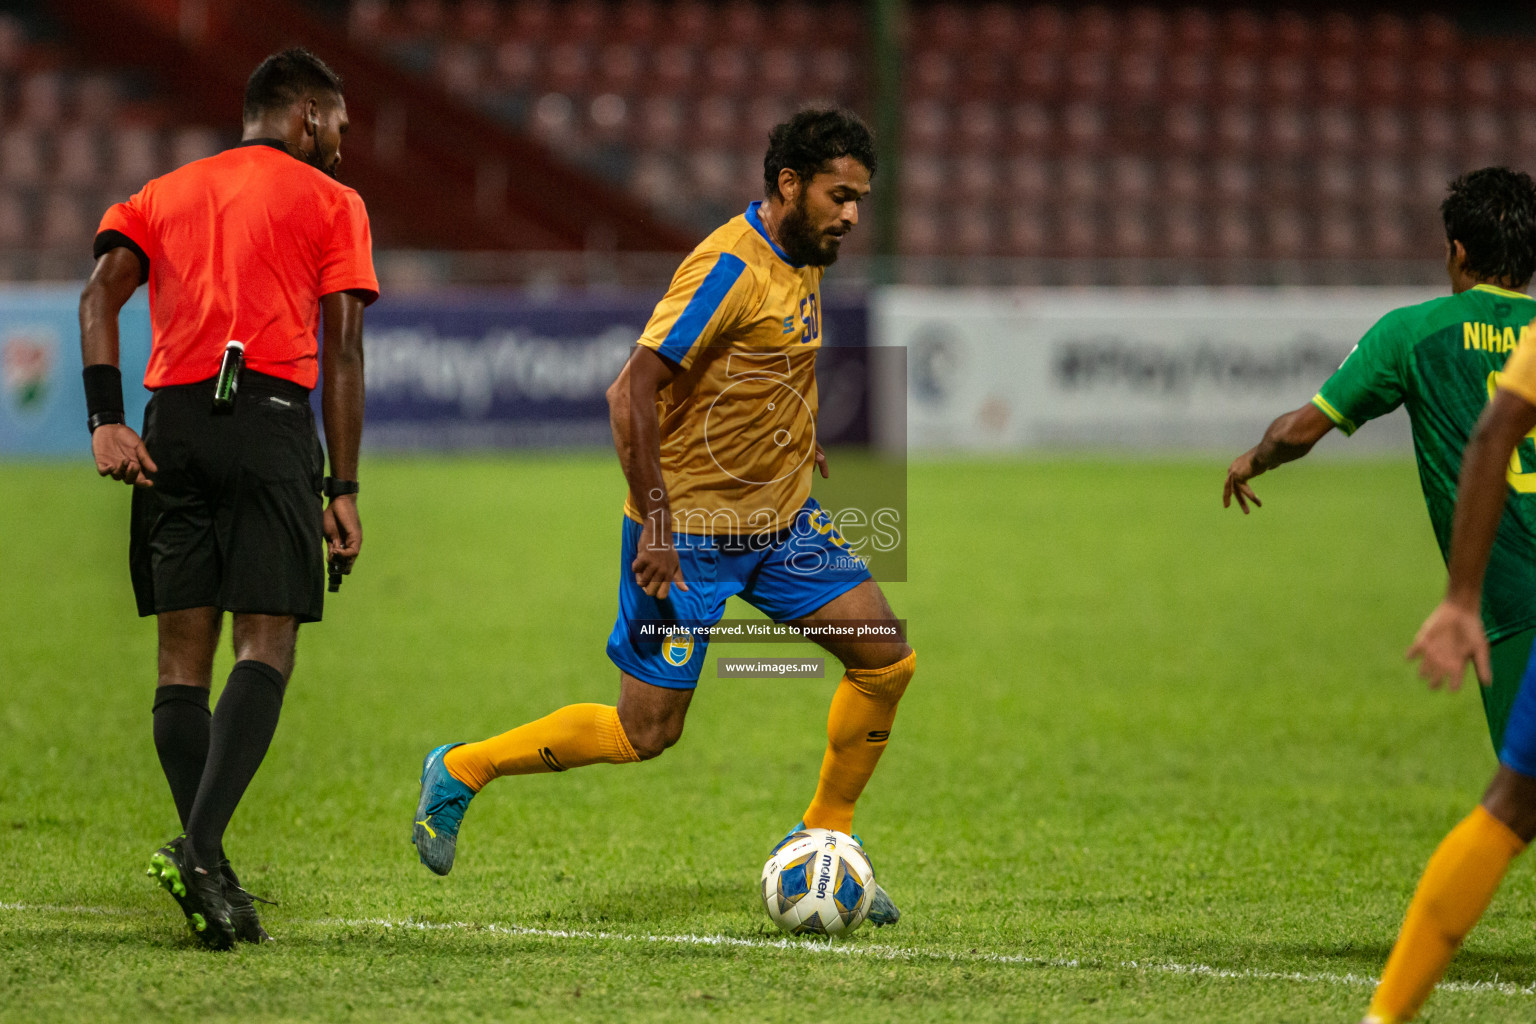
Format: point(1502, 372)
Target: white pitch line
point(901, 953)
point(874, 951)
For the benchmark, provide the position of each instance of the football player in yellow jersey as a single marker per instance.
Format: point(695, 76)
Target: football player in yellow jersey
point(714, 421)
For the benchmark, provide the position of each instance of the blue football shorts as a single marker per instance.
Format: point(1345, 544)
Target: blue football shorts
point(785, 575)
point(1519, 748)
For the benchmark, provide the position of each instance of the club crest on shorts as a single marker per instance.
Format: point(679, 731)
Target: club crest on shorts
point(678, 648)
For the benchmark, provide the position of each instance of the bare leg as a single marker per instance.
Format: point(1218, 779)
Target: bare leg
point(652, 716)
point(269, 639)
point(1511, 797)
point(188, 640)
point(865, 603)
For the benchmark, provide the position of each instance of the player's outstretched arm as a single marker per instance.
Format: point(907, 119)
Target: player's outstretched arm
point(1453, 633)
point(341, 406)
point(117, 449)
point(637, 439)
point(1288, 438)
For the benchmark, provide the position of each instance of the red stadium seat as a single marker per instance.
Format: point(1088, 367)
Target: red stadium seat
point(1185, 126)
point(618, 68)
point(1233, 235)
point(976, 180)
point(1233, 180)
point(1083, 126)
point(1287, 131)
point(927, 126)
point(1131, 180)
point(1130, 232)
point(1138, 77)
point(64, 221)
point(1437, 134)
point(920, 233)
point(517, 64)
point(1236, 129)
point(1188, 76)
point(478, 19)
point(42, 98)
point(1077, 231)
point(1182, 232)
point(1243, 32)
point(1285, 232)
point(1042, 28)
point(1030, 128)
point(1386, 131)
point(461, 67)
point(979, 126)
point(22, 161)
point(726, 69)
point(78, 156)
point(1183, 180)
point(931, 73)
point(135, 154)
point(923, 178)
point(1094, 29)
point(1194, 31)
point(567, 67)
point(1338, 236)
point(717, 121)
point(1080, 178)
point(1147, 29)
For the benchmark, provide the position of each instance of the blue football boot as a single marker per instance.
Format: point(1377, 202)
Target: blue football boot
point(882, 911)
point(439, 812)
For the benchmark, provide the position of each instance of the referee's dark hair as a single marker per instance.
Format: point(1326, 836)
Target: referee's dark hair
point(1492, 213)
point(813, 138)
point(285, 77)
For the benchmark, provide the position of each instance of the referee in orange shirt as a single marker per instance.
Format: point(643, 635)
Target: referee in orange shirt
point(246, 246)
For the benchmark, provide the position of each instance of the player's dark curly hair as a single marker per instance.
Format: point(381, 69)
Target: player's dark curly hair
point(811, 139)
point(1492, 213)
point(285, 77)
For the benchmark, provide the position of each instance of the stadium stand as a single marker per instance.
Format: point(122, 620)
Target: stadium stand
point(1034, 135)
point(75, 139)
point(1030, 131)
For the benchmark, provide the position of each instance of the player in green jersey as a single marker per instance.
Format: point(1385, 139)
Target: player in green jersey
point(1441, 359)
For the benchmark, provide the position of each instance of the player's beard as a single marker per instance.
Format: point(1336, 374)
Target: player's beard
point(802, 243)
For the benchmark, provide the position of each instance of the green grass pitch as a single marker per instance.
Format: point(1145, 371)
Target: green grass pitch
point(1159, 763)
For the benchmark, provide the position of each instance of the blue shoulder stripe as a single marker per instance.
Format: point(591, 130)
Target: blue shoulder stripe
point(701, 308)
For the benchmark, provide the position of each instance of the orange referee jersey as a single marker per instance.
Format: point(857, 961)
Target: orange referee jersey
point(240, 247)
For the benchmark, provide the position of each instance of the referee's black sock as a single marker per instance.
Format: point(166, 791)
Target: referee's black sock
point(243, 725)
point(181, 740)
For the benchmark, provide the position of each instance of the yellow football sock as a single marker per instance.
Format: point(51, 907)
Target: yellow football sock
point(576, 735)
point(1458, 882)
point(858, 726)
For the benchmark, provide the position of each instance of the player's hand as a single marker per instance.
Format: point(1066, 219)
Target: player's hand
point(121, 455)
point(1238, 474)
point(656, 565)
point(1449, 638)
point(343, 532)
point(821, 461)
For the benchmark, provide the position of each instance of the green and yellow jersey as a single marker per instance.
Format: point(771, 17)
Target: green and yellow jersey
point(738, 423)
point(1443, 359)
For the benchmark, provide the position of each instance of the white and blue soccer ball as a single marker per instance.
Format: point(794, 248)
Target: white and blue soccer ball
point(818, 882)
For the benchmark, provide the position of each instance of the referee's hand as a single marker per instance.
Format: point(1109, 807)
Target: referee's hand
point(343, 532)
point(121, 455)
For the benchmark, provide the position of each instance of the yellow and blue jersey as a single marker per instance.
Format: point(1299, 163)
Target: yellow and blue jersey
point(738, 422)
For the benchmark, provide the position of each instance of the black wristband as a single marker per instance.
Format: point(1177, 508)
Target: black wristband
point(335, 488)
point(101, 419)
point(103, 394)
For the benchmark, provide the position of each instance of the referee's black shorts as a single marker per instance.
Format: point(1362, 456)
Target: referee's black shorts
point(235, 518)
